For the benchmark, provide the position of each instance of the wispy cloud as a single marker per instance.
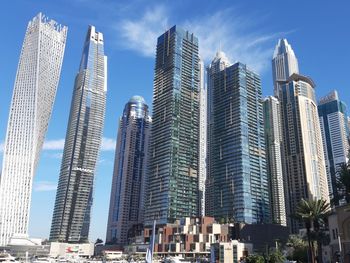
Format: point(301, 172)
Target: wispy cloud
point(141, 34)
point(1, 147)
point(54, 144)
point(236, 35)
point(54, 155)
point(108, 144)
point(44, 186)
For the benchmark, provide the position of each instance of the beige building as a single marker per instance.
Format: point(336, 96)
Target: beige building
point(339, 232)
point(304, 170)
point(230, 252)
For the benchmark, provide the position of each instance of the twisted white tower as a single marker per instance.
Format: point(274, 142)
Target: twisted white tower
point(34, 92)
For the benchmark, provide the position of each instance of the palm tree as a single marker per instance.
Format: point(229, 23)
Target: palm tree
point(313, 213)
point(343, 183)
point(304, 213)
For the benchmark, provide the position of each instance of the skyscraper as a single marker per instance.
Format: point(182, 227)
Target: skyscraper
point(237, 180)
point(202, 139)
point(335, 134)
point(303, 149)
point(273, 139)
point(71, 216)
point(173, 173)
point(305, 173)
point(284, 63)
point(126, 208)
point(37, 78)
point(219, 63)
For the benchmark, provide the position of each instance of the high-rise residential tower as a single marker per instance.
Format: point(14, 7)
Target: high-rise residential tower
point(71, 216)
point(273, 139)
point(335, 134)
point(202, 139)
point(37, 78)
point(126, 208)
point(237, 183)
point(219, 63)
point(284, 63)
point(173, 171)
point(304, 173)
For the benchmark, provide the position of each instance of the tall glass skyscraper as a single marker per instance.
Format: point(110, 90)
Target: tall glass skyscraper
point(273, 139)
point(305, 173)
point(127, 202)
point(173, 171)
point(335, 134)
point(219, 63)
point(71, 216)
point(202, 139)
point(237, 185)
point(37, 78)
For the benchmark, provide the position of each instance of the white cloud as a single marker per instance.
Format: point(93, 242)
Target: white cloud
point(54, 155)
point(2, 147)
point(44, 186)
point(236, 35)
point(54, 144)
point(108, 144)
point(141, 34)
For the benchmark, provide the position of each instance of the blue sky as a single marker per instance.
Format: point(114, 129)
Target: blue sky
point(246, 30)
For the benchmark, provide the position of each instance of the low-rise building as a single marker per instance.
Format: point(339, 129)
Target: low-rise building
point(70, 250)
point(191, 237)
point(230, 252)
point(339, 232)
point(21, 246)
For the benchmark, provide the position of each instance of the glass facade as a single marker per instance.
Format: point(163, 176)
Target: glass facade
point(71, 216)
point(173, 170)
point(237, 185)
point(34, 92)
point(126, 208)
point(335, 134)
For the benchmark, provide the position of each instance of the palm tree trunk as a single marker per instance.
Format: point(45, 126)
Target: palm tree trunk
point(311, 246)
point(319, 251)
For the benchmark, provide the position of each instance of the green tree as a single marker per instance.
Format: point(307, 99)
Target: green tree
point(254, 258)
point(343, 184)
point(294, 241)
point(299, 249)
point(313, 214)
point(276, 257)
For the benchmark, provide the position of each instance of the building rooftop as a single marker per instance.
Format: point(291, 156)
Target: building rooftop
point(282, 47)
point(137, 99)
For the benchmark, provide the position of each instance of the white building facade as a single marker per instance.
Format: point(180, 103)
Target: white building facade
point(302, 154)
point(284, 63)
point(202, 138)
point(34, 92)
point(273, 139)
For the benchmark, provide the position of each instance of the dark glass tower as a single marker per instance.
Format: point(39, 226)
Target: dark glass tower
point(71, 217)
point(126, 208)
point(237, 183)
point(173, 170)
point(335, 133)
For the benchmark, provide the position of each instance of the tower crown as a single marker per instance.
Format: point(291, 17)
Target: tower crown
point(283, 47)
